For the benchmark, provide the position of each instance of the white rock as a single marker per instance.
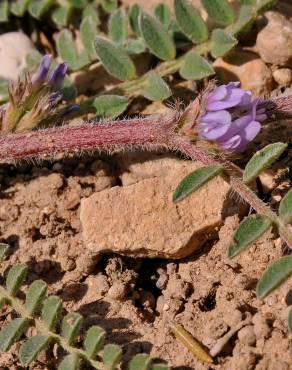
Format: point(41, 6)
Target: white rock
point(14, 46)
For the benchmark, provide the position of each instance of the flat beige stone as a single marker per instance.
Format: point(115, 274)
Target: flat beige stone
point(140, 220)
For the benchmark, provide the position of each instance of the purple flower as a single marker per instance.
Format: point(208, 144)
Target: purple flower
point(232, 118)
point(57, 77)
point(41, 74)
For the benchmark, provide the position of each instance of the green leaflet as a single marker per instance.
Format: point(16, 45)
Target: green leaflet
point(245, 19)
point(61, 15)
point(79, 4)
point(109, 6)
point(195, 180)
point(70, 362)
point(3, 250)
point(51, 311)
point(94, 341)
point(110, 106)
point(35, 295)
point(4, 11)
point(88, 33)
point(19, 7)
point(11, 332)
point(37, 8)
point(134, 15)
point(220, 10)
point(156, 37)
point(249, 230)
point(140, 362)
point(114, 59)
point(70, 327)
point(3, 91)
point(135, 46)
point(30, 349)
point(190, 21)
point(163, 13)
point(277, 273)
point(285, 209)
point(118, 26)
point(156, 88)
point(222, 42)
point(248, 2)
point(90, 12)
point(262, 160)
point(195, 67)
point(111, 356)
point(67, 50)
point(15, 277)
point(290, 319)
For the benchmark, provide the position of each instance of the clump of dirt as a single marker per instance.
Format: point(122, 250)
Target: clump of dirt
point(135, 300)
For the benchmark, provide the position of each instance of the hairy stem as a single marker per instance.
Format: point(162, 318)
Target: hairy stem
point(19, 307)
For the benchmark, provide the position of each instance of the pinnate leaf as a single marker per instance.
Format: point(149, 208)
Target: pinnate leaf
point(32, 347)
point(90, 12)
point(94, 341)
point(156, 88)
point(195, 180)
point(12, 332)
point(35, 295)
point(220, 10)
point(51, 311)
point(37, 8)
point(249, 230)
point(111, 356)
point(71, 325)
point(3, 250)
point(190, 21)
point(67, 49)
point(61, 15)
point(262, 160)
point(163, 13)
point(156, 37)
point(118, 26)
point(141, 361)
point(15, 277)
point(195, 67)
point(277, 273)
point(221, 43)
point(110, 106)
point(78, 4)
point(285, 209)
point(70, 362)
point(114, 59)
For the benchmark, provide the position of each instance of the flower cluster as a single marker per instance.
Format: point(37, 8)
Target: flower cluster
point(34, 100)
point(232, 118)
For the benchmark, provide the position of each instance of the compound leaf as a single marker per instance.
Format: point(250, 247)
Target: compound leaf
point(195, 180)
point(35, 295)
point(220, 10)
point(195, 67)
point(70, 362)
point(221, 43)
point(163, 13)
point(134, 15)
point(88, 33)
point(110, 106)
point(4, 11)
point(15, 277)
point(249, 230)
point(156, 88)
point(94, 340)
point(109, 6)
point(262, 160)
point(156, 37)
point(12, 332)
point(278, 272)
point(111, 356)
point(51, 311)
point(114, 59)
point(32, 347)
point(190, 21)
point(70, 327)
point(19, 7)
point(141, 361)
point(61, 14)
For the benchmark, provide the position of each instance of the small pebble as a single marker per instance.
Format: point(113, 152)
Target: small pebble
point(283, 76)
point(118, 291)
point(247, 336)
